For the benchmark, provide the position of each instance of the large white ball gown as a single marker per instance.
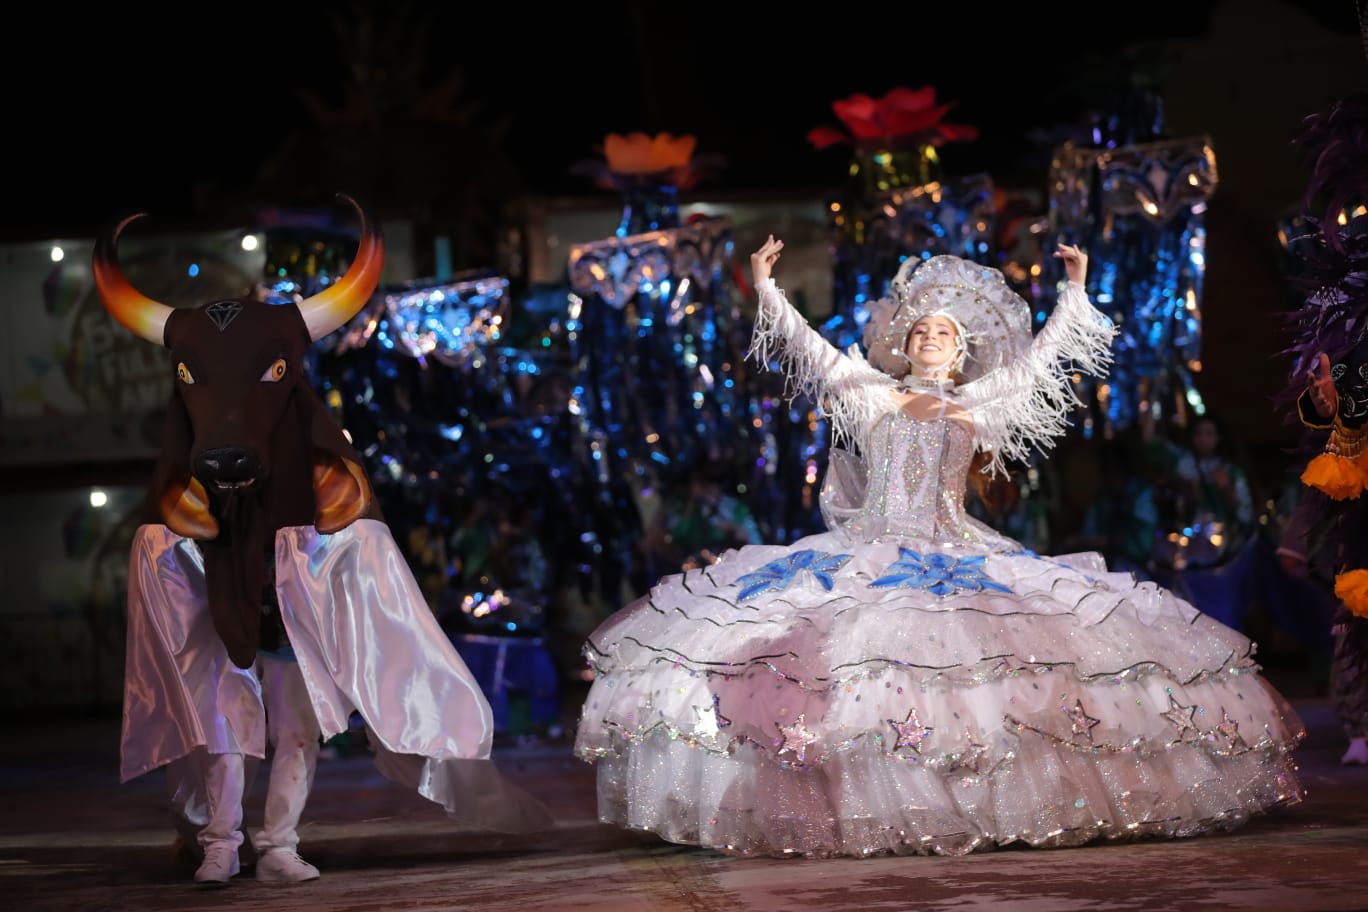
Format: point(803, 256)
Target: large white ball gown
point(911, 681)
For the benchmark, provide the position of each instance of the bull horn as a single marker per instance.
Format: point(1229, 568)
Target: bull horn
point(141, 314)
point(344, 299)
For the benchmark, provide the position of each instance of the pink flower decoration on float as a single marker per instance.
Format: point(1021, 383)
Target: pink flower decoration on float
point(903, 117)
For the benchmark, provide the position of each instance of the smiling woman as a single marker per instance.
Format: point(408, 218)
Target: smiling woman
point(911, 681)
point(936, 345)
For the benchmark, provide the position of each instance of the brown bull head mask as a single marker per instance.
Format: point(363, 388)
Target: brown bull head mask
point(248, 446)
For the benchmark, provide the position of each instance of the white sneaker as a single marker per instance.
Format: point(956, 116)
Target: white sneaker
point(1357, 752)
point(219, 865)
point(284, 866)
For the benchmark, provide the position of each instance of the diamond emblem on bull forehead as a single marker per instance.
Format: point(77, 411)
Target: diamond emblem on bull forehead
point(223, 312)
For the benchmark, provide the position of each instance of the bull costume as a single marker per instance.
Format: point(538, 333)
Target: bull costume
point(267, 597)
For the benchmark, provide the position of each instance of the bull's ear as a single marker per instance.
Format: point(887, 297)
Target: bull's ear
point(182, 502)
point(341, 491)
point(185, 509)
point(342, 494)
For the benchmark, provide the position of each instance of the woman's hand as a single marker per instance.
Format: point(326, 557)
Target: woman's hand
point(1321, 386)
point(1075, 262)
point(763, 260)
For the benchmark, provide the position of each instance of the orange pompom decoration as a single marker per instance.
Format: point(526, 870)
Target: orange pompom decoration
point(1351, 588)
point(1338, 477)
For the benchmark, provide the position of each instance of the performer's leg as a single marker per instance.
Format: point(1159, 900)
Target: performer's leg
point(222, 834)
point(294, 734)
point(186, 804)
point(1349, 691)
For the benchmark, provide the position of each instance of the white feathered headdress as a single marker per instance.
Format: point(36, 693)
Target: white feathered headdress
point(994, 321)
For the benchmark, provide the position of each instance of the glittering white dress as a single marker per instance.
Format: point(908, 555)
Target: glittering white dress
point(911, 681)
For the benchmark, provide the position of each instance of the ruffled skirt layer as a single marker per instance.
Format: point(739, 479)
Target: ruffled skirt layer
point(815, 700)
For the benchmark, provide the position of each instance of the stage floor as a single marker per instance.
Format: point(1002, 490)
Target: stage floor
point(73, 838)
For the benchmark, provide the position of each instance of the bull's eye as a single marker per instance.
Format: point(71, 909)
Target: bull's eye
point(275, 373)
point(183, 374)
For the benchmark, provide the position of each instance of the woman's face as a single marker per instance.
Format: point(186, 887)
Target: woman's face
point(933, 344)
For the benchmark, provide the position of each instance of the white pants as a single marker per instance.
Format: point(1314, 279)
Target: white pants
point(207, 790)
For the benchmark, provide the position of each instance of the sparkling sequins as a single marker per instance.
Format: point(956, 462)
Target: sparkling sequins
point(974, 758)
point(1229, 731)
point(710, 720)
point(1181, 717)
point(795, 739)
point(910, 732)
point(1080, 723)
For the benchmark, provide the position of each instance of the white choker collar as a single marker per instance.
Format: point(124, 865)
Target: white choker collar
point(912, 381)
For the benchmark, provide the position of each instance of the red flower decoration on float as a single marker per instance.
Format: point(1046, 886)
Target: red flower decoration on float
point(639, 158)
point(903, 117)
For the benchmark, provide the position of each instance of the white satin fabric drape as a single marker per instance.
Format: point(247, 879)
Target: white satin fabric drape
point(366, 642)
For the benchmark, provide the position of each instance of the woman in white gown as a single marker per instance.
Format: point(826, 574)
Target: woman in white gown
point(910, 681)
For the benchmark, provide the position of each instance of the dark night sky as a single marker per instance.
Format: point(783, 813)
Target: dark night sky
point(121, 112)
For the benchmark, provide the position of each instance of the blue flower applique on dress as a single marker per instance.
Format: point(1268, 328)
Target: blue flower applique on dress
point(777, 575)
point(937, 573)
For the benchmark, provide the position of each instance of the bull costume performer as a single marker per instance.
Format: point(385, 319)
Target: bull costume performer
point(267, 599)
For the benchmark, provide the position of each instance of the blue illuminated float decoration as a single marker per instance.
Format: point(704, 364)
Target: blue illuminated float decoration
point(1140, 212)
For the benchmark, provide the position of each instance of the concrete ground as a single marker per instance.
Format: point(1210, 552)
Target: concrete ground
point(73, 838)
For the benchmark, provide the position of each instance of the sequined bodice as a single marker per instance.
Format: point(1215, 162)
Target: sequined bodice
point(916, 471)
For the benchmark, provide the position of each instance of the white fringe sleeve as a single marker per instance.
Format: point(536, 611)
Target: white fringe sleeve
point(846, 388)
point(1025, 406)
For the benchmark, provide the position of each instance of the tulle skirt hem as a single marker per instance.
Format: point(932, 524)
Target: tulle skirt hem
point(867, 803)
